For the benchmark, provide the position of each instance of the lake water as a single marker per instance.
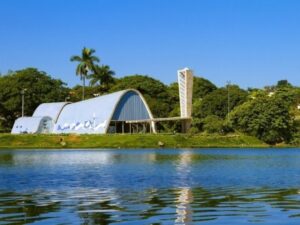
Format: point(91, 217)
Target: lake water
point(207, 186)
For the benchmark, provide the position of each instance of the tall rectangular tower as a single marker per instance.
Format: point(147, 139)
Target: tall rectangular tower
point(185, 84)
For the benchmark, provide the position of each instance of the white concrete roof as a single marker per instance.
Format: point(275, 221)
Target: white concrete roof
point(51, 110)
point(92, 115)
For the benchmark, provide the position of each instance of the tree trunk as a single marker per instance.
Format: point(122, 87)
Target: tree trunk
point(83, 86)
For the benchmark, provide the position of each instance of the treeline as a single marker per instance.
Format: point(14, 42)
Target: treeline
point(270, 114)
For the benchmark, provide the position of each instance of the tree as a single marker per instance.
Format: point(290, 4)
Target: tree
point(267, 118)
point(102, 75)
point(173, 91)
point(283, 83)
point(216, 102)
point(75, 93)
point(289, 95)
point(86, 63)
point(196, 108)
point(40, 88)
point(202, 87)
point(213, 124)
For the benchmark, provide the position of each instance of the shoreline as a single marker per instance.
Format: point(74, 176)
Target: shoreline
point(131, 141)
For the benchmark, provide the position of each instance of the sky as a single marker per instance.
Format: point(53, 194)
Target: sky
point(252, 43)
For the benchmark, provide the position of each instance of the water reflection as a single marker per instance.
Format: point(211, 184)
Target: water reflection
point(182, 205)
point(109, 157)
point(26, 208)
point(183, 208)
point(150, 187)
point(98, 207)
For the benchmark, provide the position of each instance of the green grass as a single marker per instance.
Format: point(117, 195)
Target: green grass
point(127, 141)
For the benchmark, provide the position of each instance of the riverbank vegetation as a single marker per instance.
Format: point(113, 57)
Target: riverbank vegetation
point(128, 141)
point(270, 114)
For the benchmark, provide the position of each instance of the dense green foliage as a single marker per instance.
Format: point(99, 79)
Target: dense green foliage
point(213, 124)
point(202, 87)
point(267, 117)
point(216, 102)
point(102, 76)
point(270, 114)
point(39, 88)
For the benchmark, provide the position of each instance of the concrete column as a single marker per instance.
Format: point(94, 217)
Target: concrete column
point(185, 85)
point(185, 125)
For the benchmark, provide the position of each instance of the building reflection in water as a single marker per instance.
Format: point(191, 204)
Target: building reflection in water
point(183, 202)
point(62, 158)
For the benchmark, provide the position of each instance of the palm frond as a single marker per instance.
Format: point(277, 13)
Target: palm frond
point(76, 58)
point(95, 59)
point(92, 51)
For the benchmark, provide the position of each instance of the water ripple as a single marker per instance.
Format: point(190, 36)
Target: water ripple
point(150, 187)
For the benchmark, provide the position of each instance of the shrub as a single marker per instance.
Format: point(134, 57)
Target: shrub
point(213, 124)
point(267, 118)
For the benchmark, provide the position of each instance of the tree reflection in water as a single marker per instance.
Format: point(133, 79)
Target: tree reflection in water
point(152, 187)
point(182, 205)
point(26, 208)
point(99, 207)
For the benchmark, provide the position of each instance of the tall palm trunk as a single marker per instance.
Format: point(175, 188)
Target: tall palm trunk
point(83, 87)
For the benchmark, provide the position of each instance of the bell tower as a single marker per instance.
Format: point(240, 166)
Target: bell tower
point(185, 84)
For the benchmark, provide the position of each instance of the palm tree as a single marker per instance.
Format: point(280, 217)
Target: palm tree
point(86, 64)
point(102, 75)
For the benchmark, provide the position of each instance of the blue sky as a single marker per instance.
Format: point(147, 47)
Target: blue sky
point(252, 43)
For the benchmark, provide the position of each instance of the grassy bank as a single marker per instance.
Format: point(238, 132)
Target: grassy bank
point(127, 141)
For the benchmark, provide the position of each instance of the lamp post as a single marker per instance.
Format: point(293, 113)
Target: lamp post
point(23, 100)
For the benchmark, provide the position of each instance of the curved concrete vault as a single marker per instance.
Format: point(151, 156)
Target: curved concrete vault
point(103, 114)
